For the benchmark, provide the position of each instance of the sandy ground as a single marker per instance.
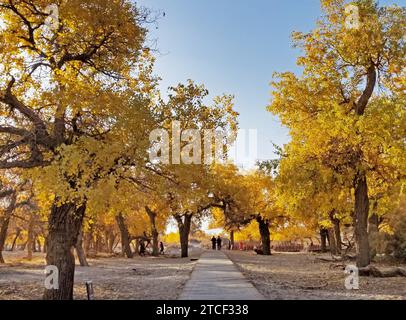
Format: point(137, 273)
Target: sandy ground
point(287, 276)
point(113, 278)
point(278, 277)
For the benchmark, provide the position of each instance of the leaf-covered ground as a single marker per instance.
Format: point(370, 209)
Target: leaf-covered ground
point(113, 278)
point(303, 276)
point(280, 276)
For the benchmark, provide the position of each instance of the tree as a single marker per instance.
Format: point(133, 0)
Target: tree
point(15, 195)
point(5, 218)
point(263, 206)
point(158, 213)
point(186, 179)
point(67, 94)
point(244, 198)
point(335, 109)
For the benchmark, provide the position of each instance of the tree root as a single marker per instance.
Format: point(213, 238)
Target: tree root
point(372, 271)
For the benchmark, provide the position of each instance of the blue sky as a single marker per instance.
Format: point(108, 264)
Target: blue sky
point(234, 46)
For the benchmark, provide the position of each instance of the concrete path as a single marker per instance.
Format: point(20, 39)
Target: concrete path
point(215, 277)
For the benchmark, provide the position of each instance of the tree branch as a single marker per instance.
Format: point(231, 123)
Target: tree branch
point(369, 89)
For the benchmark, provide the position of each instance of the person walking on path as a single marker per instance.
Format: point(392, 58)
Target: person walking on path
point(218, 243)
point(213, 243)
point(162, 248)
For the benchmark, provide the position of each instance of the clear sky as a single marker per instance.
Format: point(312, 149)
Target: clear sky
point(234, 46)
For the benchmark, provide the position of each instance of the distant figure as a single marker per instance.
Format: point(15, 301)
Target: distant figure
point(162, 248)
point(142, 248)
point(213, 243)
point(218, 243)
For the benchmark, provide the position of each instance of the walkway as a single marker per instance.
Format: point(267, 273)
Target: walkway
point(215, 277)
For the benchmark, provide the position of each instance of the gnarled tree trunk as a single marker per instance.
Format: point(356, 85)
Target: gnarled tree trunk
point(125, 236)
point(184, 222)
point(154, 231)
point(65, 222)
point(361, 221)
point(361, 205)
point(265, 235)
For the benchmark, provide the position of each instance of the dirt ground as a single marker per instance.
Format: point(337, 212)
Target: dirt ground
point(282, 276)
point(287, 276)
point(113, 278)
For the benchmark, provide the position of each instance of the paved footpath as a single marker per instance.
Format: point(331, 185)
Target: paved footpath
point(215, 277)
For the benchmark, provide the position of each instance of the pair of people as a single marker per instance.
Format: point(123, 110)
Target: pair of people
point(216, 243)
point(142, 248)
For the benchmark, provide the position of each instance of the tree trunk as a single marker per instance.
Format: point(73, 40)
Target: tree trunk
point(336, 233)
point(13, 245)
point(184, 230)
point(88, 239)
point(98, 245)
point(39, 244)
point(23, 246)
point(232, 239)
point(152, 218)
point(361, 221)
point(373, 230)
point(265, 235)
point(323, 239)
point(137, 246)
point(125, 236)
point(4, 223)
point(332, 241)
point(373, 221)
point(3, 235)
point(79, 250)
point(64, 225)
point(34, 243)
point(111, 237)
point(30, 237)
